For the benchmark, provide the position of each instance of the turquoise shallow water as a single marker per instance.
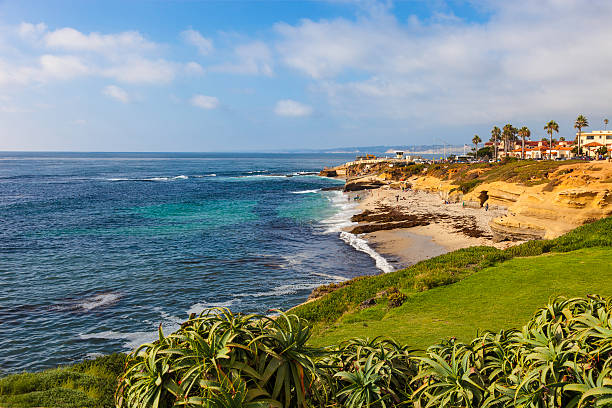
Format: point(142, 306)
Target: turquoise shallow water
point(96, 250)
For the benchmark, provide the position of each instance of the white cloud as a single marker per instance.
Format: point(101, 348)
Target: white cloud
point(204, 102)
point(193, 37)
point(68, 53)
point(62, 66)
point(288, 107)
point(73, 40)
point(254, 58)
point(31, 31)
point(519, 64)
point(142, 70)
point(113, 91)
point(194, 68)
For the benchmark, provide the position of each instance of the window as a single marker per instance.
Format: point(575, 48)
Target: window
point(608, 137)
point(590, 137)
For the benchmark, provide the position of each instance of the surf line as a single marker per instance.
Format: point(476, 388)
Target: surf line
point(342, 219)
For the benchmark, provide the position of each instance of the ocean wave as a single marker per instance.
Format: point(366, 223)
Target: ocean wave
point(282, 290)
point(206, 175)
point(89, 303)
point(199, 307)
point(304, 173)
point(169, 324)
point(133, 339)
point(150, 179)
point(257, 176)
point(306, 191)
point(256, 171)
point(361, 244)
point(97, 301)
point(341, 219)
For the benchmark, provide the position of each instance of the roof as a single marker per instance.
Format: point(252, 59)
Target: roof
point(592, 144)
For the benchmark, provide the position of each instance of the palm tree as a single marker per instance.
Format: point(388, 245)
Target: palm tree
point(495, 134)
point(476, 139)
point(581, 122)
point(606, 124)
point(524, 133)
point(509, 133)
point(551, 127)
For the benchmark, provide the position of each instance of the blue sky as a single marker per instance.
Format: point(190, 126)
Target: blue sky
point(190, 75)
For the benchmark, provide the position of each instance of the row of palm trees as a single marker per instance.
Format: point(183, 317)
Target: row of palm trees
point(510, 133)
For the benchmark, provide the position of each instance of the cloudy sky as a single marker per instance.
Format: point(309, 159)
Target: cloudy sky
point(187, 75)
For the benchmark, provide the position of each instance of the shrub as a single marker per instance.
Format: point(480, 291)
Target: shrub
point(396, 299)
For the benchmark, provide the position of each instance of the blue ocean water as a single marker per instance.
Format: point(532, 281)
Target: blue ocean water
point(96, 250)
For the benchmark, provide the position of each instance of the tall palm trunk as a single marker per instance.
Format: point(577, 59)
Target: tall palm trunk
point(523, 148)
point(550, 147)
point(495, 147)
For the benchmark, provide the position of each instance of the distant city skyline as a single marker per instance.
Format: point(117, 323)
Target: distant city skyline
point(208, 76)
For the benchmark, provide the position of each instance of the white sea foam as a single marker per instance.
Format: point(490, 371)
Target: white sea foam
point(201, 306)
point(282, 290)
point(170, 324)
point(341, 220)
point(179, 177)
point(344, 211)
point(306, 192)
point(361, 244)
point(100, 300)
point(133, 339)
point(257, 171)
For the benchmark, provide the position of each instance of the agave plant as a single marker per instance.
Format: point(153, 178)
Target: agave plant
point(362, 389)
point(561, 358)
point(449, 378)
point(393, 365)
point(286, 362)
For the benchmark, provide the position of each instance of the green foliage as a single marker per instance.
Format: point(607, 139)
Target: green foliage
point(561, 358)
point(396, 298)
point(467, 186)
point(371, 373)
point(224, 359)
point(87, 384)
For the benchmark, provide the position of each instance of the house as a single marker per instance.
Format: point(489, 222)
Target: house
point(602, 137)
point(590, 149)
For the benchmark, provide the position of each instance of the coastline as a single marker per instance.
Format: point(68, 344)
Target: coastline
point(439, 227)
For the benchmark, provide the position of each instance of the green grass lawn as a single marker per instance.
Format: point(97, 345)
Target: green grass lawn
point(494, 298)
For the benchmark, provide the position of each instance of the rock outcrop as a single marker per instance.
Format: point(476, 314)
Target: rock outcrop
point(572, 195)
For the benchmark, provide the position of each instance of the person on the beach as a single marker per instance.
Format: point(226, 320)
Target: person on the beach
point(487, 207)
point(397, 198)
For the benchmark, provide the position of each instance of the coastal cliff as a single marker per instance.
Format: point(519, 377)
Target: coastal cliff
point(542, 200)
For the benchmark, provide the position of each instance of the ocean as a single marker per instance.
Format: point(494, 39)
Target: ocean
point(98, 249)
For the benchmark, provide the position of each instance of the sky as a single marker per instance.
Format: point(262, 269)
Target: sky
point(204, 76)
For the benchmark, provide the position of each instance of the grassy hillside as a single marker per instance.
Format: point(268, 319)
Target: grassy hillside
point(88, 384)
point(467, 176)
point(495, 298)
point(444, 270)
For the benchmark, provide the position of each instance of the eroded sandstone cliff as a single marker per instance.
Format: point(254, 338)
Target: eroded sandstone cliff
point(570, 196)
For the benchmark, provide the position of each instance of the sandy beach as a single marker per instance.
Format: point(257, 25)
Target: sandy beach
point(439, 227)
